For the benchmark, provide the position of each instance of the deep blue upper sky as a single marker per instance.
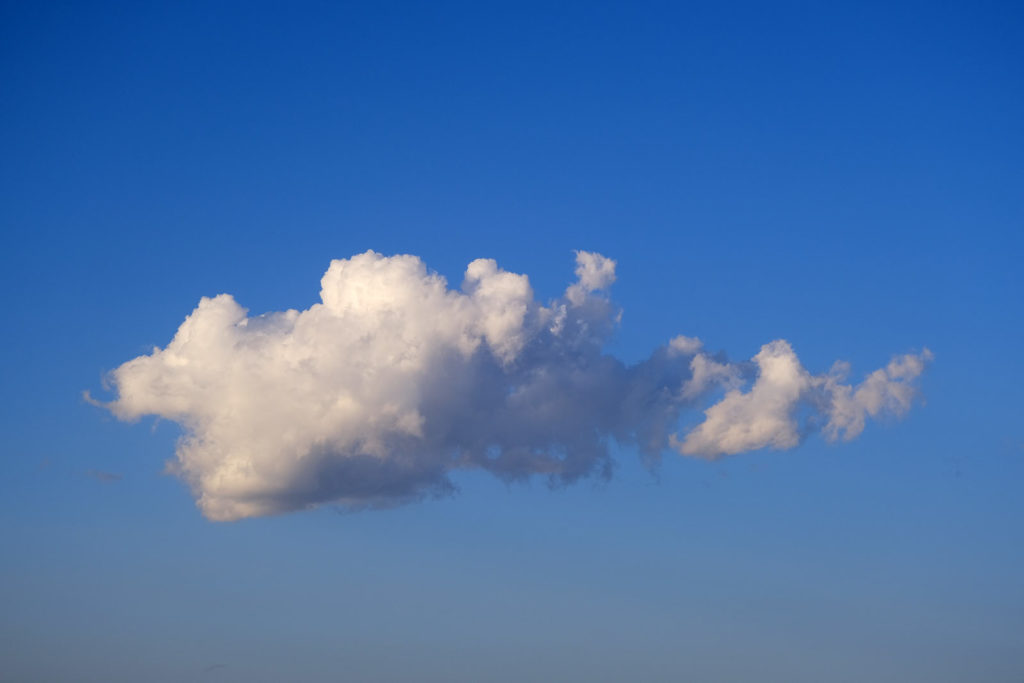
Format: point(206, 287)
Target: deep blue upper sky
point(847, 177)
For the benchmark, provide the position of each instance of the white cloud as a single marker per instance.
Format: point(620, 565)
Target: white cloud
point(706, 372)
point(685, 346)
point(766, 415)
point(594, 273)
point(758, 418)
point(374, 395)
point(888, 390)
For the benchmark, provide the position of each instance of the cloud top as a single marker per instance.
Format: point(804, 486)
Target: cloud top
point(372, 396)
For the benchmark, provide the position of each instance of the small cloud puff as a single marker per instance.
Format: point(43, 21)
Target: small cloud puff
point(374, 395)
point(765, 415)
point(105, 477)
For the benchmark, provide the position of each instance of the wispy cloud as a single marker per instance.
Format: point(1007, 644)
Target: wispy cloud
point(374, 395)
point(105, 477)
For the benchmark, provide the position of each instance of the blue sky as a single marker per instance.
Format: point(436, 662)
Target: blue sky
point(847, 178)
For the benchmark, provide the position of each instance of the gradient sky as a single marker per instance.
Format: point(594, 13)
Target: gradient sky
point(844, 176)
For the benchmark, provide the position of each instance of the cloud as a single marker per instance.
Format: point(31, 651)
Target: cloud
point(374, 395)
point(888, 390)
point(105, 477)
point(766, 415)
